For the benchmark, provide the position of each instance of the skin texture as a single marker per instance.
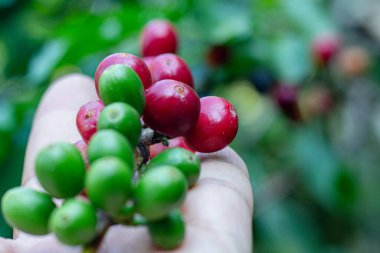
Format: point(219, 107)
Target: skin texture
point(223, 186)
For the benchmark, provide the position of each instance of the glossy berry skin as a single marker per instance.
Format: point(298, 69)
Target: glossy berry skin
point(187, 162)
point(324, 48)
point(216, 127)
point(135, 63)
point(119, 83)
point(109, 142)
point(122, 118)
point(82, 147)
point(60, 170)
point(157, 148)
point(74, 223)
point(108, 183)
point(170, 66)
point(87, 118)
point(159, 191)
point(158, 37)
point(169, 232)
point(148, 60)
point(172, 108)
point(27, 210)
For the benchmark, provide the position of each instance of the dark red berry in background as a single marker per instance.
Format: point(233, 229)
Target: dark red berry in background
point(178, 142)
point(87, 118)
point(324, 48)
point(170, 66)
point(82, 147)
point(286, 98)
point(158, 37)
point(216, 127)
point(172, 108)
point(135, 63)
point(218, 55)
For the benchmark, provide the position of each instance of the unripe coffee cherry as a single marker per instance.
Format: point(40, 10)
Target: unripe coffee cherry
point(87, 118)
point(158, 37)
point(159, 191)
point(119, 83)
point(74, 223)
point(108, 183)
point(27, 210)
point(216, 127)
point(109, 142)
point(187, 162)
point(170, 66)
point(135, 63)
point(60, 170)
point(157, 148)
point(122, 118)
point(169, 232)
point(172, 108)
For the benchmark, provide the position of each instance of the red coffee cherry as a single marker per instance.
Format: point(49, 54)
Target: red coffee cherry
point(178, 142)
point(87, 118)
point(148, 60)
point(135, 63)
point(216, 127)
point(82, 147)
point(158, 37)
point(170, 66)
point(172, 108)
point(324, 48)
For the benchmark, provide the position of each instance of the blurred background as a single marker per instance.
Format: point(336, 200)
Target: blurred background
point(304, 76)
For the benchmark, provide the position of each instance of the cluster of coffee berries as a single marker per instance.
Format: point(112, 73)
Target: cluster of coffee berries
point(137, 158)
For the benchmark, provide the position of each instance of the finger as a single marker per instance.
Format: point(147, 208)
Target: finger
point(6, 246)
point(221, 204)
point(55, 116)
point(55, 119)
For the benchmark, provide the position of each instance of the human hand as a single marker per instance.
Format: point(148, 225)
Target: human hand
point(217, 210)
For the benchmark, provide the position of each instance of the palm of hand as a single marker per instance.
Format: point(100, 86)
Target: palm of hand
point(217, 211)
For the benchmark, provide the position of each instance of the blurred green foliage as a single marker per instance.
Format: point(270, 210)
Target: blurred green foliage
point(315, 180)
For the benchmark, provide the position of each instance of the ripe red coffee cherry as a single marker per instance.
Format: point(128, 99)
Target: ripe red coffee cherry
point(216, 127)
point(148, 60)
point(158, 37)
point(82, 147)
point(87, 118)
point(324, 48)
point(135, 63)
point(172, 108)
point(170, 66)
point(178, 142)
